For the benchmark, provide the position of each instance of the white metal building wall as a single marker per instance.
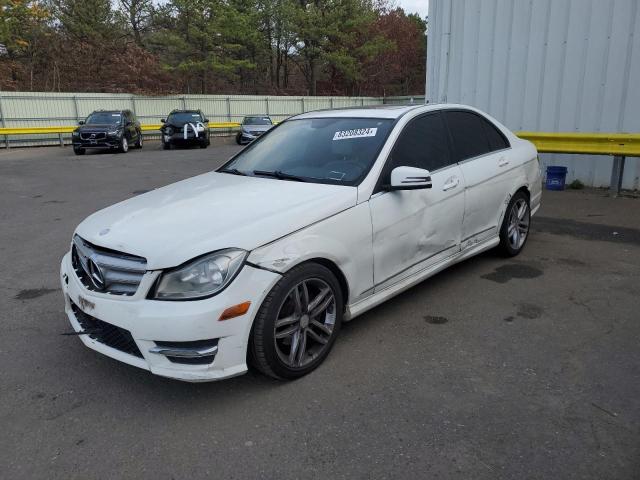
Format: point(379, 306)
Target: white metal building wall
point(543, 65)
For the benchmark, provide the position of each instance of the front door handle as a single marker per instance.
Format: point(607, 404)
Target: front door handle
point(450, 183)
point(503, 162)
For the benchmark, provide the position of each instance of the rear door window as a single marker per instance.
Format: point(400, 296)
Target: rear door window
point(473, 135)
point(496, 138)
point(468, 135)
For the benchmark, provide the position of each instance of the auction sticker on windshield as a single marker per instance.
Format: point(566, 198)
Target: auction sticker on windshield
point(355, 133)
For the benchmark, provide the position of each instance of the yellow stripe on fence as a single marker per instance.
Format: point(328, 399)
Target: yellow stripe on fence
point(36, 130)
point(58, 130)
point(622, 144)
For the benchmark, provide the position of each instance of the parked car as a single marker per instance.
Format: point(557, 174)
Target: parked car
point(252, 127)
point(107, 129)
point(185, 128)
point(321, 219)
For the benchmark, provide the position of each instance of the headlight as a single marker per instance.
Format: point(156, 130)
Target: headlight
point(75, 134)
point(202, 277)
point(115, 133)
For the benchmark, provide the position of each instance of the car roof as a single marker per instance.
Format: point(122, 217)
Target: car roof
point(184, 111)
point(381, 111)
point(373, 111)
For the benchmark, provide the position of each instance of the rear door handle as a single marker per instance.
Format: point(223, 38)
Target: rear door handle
point(503, 162)
point(451, 183)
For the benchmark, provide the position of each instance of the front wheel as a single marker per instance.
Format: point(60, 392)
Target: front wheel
point(139, 140)
point(124, 145)
point(297, 323)
point(515, 226)
point(79, 150)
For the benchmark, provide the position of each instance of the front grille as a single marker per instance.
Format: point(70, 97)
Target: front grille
point(93, 136)
point(107, 271)
point(105, 333)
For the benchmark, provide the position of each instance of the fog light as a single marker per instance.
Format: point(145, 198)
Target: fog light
point(235, 311)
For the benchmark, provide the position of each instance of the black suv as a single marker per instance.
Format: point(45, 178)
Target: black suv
point(107, 129)
point(185, 127)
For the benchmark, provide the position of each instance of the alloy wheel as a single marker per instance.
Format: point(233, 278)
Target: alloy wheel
point(519, 219)
point(305, 322)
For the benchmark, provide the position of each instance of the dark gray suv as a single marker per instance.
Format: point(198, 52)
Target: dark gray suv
point(107, 130)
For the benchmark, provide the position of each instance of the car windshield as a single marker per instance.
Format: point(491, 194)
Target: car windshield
point(256, 121)
point(104, 118)
point(320, 150)
point(184, 117)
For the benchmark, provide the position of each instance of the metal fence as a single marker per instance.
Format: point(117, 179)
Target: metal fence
point(27, 109)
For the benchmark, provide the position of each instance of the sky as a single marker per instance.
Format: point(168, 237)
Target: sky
point(420, 7)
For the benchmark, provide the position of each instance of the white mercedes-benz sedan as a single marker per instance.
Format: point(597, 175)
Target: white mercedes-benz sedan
point(319, 220)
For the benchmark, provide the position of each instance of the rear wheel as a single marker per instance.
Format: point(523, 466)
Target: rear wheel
point(124, 144)
point(297, 323)
point(515, 226)
point(139, 140)
point(79, 150)
point(166, 146)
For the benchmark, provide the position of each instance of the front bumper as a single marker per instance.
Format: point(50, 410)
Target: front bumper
point(154, 323)
point(109, 142)
point(178, 138)
point(246, 137)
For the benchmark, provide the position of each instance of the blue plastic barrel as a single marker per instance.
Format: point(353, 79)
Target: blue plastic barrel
point(556, 177)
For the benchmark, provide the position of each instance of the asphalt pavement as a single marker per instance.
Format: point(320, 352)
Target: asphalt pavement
point(520, 368)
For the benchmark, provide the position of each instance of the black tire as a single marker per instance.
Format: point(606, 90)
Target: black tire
point(264, 354)
point(79, 151)
point(124, 144)
point(239, 139)
point(204, 145)
point(139, 141)
point(166, 146)
point(512, 242)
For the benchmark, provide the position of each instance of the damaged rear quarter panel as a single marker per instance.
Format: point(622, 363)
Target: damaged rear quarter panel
point(344, 239)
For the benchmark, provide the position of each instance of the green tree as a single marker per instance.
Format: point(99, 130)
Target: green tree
point(200, 40)
point(137, 15)
point(23, 28)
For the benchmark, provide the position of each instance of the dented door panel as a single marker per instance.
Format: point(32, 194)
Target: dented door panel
point(413, 229)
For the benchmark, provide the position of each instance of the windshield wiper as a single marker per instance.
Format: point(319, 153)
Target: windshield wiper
point(233, 171)
point(279, 175)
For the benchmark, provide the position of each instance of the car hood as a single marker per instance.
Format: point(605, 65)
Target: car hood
point(176, 223)
point(256, 128)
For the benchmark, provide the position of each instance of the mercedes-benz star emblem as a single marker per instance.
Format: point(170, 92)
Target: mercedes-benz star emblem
point(95, 273)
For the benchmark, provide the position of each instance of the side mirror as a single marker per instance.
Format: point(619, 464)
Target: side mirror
point(163, 120)
point(206, 120)
point(81, 122)
point(128, 123)
point(409, 178)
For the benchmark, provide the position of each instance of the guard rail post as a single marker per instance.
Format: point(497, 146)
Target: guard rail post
point(617, 172)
